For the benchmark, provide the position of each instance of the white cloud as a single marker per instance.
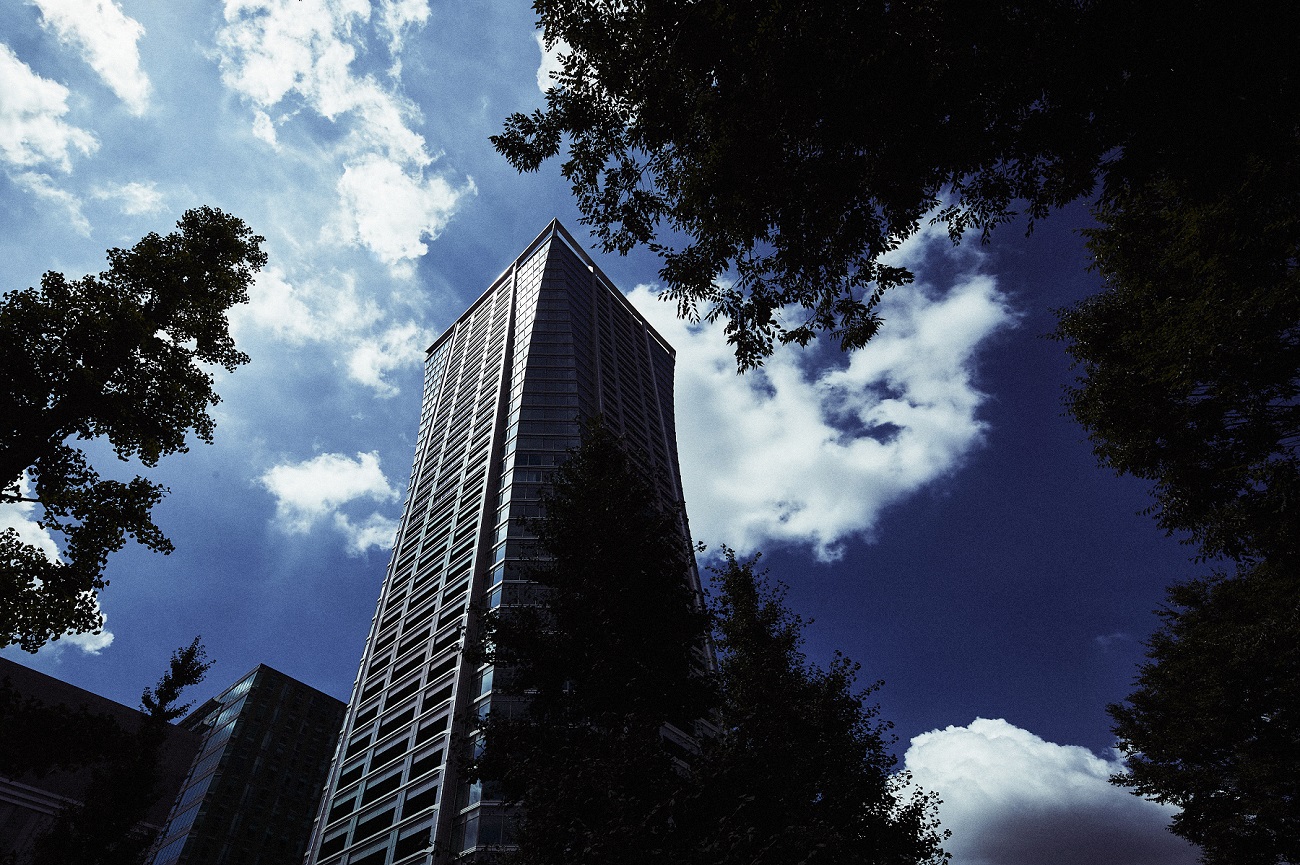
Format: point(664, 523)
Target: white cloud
point(803, 453)
point(390, 211)
point(321, 308)
point(19, 517)
point(107, 39)
point(310, 491)
point(32, 129)
point(43, 186)
point(135, 199)
point(333, 310)
point(399, 16)
point(1011, 798)
point(264, 129)
point(550, 61)
point(400, 345)
point(90, 643)
point(274, 50)
point(376, 531)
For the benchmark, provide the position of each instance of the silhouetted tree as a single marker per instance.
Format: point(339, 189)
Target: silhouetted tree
point(771, 153)
point(609, 652)
point(118, 355)
point(799, 770)
point(1214, 726)
point(1190, 359)
point(782, 763)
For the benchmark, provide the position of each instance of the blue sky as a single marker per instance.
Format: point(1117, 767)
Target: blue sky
point(925, 499)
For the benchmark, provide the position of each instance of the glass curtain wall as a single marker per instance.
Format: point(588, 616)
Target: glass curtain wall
point(552, 341)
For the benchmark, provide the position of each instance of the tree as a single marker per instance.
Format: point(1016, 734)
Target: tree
point(799, 770)
point(1190, 359)
point(1214, 726)
point(104, 829)
point(782, 763)
point(118, 356)
point(772, 152)
point(609, 652)
point(1190, 379)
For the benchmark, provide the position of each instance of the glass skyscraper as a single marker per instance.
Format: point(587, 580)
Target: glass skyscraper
point(550, 342)
point(255, 783)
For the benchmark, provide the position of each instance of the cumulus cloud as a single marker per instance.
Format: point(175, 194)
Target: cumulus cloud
point(331, 309)
point(92, 643)
point(400, 345)
point(106, 38)
point(375, 532)
point(32, 129)
point(316, 489)
point(303, 50)
point(326, 307)
point(1011, 798)
point(550, 61)
point(390, 210)
point(800, 452)
point(134, 199)
point(264, 129)
point(19, 516)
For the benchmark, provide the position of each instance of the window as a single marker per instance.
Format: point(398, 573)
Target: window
point(420, 799)
point(369, 825)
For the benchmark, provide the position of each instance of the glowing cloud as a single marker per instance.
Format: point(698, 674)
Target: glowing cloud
point(106, 37)
point(1012, 798)
point(805, 452)
point(315, 489)
point(32, 129)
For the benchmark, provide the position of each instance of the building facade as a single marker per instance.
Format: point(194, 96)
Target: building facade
point(29, 801)
point(253, 788)
point(550, 342)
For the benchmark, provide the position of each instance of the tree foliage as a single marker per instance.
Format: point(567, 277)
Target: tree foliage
point(607, 656)
point(118, 356)
point(1190, 358)
point(104, 829)
point(1190, 364)
point(782, 763)
point(772, 152)
point(1214, 726)
point(799, 770)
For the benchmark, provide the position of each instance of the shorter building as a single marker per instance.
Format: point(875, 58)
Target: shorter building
point(252, 790)
point(30, 800)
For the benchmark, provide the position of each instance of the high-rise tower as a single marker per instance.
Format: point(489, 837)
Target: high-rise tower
point(551, 341)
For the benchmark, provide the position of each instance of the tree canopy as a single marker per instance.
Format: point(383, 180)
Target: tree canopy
point(609, 652)
point(772, 152)
point(622, 742)
point(1190, 359)
point(118, 356)
point(1214, 726)
point(799, 768)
